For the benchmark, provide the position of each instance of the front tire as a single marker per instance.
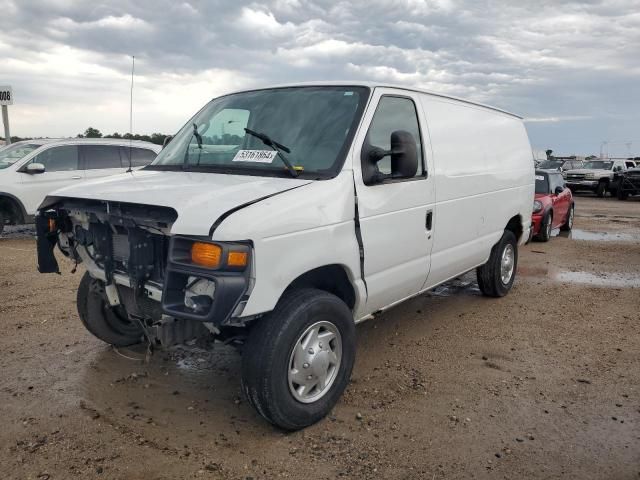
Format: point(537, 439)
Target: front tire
point(622, 195)
point(496, 277)
point(601, 190)
point(568, 224)
point(108, 324)
point(545, 228)
point(298, 358)
point(2, 220)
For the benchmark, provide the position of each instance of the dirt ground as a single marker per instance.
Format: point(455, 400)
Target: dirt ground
point(544, 383)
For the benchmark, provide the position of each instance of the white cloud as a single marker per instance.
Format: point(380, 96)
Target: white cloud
point(572, 68)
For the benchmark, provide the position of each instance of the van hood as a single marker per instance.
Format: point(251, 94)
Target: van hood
point(199, 198)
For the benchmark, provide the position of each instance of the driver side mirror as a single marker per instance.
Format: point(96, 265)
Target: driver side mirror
point(35, 168)
point(559, 190)
point(404, 159)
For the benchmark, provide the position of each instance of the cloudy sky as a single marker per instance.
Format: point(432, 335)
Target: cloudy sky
point(571, 68)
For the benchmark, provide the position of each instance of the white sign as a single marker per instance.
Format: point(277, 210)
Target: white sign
point(6, 95)
point(259, 156)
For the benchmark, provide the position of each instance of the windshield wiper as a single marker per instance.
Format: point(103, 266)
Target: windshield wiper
point(186, 153)
point(278, 147)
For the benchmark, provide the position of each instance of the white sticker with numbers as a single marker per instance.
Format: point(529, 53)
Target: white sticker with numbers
point(257, 156)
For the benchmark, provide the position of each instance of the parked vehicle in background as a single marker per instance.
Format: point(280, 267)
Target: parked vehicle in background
point(559, 164)
point(595, 175)
point(31, 169)
point(627, 183)
point(289, 214)
point(553, 205)
point(10, 154)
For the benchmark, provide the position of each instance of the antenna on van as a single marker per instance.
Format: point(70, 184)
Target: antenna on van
point(133, 66)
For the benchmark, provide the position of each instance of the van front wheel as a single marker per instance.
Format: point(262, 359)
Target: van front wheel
point(496, 277)
point(110, 325)
point(298, 359)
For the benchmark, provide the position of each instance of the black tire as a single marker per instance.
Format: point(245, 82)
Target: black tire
point(489, 275)
point(601, 190)
point(545, 228)
point(568, 223)
point(267, 357)
point(2, 220)
point(622, 195)
point(108, 324)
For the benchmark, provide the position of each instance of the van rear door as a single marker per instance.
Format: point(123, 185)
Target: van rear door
point(396, 215)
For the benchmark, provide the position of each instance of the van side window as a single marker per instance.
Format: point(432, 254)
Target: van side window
point(394, 113)
point(140, 157)
point(59, 159)
point(101, 156)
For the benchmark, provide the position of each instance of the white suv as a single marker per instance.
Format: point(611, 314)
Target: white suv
point(276, 219)
point(31, 169)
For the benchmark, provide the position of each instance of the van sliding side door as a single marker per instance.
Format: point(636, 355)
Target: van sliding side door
point(396, 215)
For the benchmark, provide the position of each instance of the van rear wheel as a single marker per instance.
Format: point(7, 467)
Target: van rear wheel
point(496, 277)
point(108, 324)
point(298, 359)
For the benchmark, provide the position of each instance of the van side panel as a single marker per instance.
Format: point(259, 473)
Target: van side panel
point(483, 177)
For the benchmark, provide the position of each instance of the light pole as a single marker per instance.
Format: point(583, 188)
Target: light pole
point(605, 142)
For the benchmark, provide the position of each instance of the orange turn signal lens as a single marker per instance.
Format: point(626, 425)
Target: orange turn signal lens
point(237, 259)
point(52, 225)
point(206, 254)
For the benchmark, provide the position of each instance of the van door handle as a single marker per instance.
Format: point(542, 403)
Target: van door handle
point(75, 177)
point(429, 220)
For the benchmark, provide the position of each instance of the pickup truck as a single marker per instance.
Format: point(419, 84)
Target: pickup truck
point(276, 219)
point(596, 176)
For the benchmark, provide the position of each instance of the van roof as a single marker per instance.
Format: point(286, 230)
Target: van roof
point(372, 85)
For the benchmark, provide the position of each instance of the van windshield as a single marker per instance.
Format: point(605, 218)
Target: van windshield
point(316, 125)
point(13, 153)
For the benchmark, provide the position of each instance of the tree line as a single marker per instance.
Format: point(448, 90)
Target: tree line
point(157, 138)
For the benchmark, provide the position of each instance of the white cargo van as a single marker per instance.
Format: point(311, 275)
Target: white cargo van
point(278, 218)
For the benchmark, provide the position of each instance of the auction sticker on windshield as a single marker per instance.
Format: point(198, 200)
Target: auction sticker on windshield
point(259, 156)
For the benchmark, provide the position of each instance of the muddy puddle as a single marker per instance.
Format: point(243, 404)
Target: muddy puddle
point(601, 279)
point(586, 235)
point(464, 285)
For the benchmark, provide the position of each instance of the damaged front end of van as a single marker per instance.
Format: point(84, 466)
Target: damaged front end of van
point(139, 280)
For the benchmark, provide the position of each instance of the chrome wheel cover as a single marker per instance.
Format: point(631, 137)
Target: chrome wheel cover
point(507, 263)
point(548, 228)
point(570, 222)
point(314, 362)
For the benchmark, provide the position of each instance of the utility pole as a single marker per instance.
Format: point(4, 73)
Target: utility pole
point(6, 98)
point(602, 145)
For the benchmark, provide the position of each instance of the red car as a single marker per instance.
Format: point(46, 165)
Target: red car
point(553, 205)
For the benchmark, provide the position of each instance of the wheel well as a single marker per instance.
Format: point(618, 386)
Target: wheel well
point(515, 226)
point(12, 208)
point(330, 278)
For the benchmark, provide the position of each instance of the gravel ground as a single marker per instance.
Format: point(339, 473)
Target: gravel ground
point(541, 384)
